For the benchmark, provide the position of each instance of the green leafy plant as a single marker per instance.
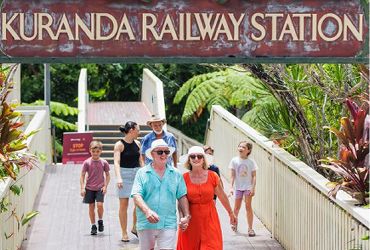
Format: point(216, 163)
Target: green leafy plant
point(352, 165)
point(12, 138)
point(230, 88)
point(58, 111)
point(13, 148)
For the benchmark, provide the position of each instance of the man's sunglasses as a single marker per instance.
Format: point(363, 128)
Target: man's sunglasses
point(196, 156)
point(160, 152)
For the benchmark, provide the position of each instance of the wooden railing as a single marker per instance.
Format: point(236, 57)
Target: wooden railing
point(11, 236)
point(291, 198)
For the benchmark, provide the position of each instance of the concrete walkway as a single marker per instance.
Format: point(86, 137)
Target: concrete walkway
point(63, 222)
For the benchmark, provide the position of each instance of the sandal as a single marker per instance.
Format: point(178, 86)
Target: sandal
point(125, 239)
point(134, 233)
point(251, 233)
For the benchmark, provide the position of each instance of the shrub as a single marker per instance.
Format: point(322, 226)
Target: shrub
point(352, 165)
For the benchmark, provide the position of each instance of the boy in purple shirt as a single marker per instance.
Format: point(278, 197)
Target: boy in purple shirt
point(96, 184)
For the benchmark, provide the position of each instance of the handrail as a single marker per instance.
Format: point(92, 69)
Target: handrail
point(281, 210)
point(40, 142)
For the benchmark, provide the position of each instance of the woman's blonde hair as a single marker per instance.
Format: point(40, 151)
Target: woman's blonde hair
point(187, 164)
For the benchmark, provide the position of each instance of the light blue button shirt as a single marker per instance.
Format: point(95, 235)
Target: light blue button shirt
point(160, 195)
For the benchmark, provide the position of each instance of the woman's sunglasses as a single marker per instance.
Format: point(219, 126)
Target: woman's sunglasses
point(196, 156)
point(160, 152)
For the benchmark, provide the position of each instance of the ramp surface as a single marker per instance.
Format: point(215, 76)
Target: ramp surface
point(63, 222)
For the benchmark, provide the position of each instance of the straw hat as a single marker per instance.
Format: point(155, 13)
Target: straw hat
point(156, 144)
point(155, 118)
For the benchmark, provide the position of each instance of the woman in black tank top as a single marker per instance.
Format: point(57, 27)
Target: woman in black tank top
point(130, 155)
point(127, 161)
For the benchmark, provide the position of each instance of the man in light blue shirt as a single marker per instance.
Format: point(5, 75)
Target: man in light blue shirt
point(156, 123)
point(156, 188)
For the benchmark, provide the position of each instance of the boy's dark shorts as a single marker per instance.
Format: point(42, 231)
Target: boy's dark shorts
point(92, 196)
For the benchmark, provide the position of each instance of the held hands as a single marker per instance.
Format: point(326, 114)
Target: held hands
point(184, 222)
point(152, 216)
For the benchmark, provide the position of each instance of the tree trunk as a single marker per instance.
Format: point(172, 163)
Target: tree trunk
point(282, 93)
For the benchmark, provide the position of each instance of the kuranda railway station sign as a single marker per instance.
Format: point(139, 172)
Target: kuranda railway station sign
point(136, 31)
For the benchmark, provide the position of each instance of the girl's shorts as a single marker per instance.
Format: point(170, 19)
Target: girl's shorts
point(240, 193)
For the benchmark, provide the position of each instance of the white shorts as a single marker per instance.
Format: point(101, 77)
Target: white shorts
point(165, 238)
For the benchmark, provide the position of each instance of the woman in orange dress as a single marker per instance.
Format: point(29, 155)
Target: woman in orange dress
point(204, 230)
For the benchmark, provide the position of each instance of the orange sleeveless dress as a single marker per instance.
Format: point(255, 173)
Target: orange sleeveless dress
point(204, 230)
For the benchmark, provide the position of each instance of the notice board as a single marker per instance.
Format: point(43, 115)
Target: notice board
point(76, 147)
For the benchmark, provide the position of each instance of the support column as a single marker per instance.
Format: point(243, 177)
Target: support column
point(15, 94)
point(47, 84)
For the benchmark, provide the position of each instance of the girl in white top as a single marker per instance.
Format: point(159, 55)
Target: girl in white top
point(243, 175)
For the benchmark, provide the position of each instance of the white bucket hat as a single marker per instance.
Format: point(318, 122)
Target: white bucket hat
point(156, 144)
point(195, 150)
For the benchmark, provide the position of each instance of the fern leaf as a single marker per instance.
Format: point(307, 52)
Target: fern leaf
point(64, 125)
point(193, 82)
point(57, 108)
point(199, 96)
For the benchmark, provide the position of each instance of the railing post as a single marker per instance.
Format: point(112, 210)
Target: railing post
point(83, 100)
point(273, 193)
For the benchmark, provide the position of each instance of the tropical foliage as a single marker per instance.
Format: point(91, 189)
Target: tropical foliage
point(109, 82)
point(230, 88)
point(58, 110)
point(288, 103)
point(12, 138)
point(13, 147)
point(352, 165)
